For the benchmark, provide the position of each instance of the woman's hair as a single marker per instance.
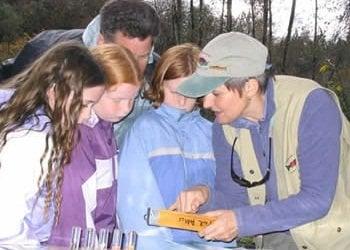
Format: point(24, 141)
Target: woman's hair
point(178, 61)
point(66, 69)
point(238, 83)
point(118, 63)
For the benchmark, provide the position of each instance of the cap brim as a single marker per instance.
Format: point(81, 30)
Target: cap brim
point(198, 85)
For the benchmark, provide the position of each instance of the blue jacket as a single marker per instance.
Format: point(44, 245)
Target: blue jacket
point(166, 151)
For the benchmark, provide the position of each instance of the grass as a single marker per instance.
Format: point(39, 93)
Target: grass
point(8, 50)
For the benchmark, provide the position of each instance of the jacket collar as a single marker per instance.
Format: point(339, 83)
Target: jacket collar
point(174, 114)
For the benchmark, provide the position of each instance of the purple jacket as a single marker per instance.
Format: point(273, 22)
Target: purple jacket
point(89, 184)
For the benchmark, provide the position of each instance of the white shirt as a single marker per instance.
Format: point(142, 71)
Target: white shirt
point(19, 173)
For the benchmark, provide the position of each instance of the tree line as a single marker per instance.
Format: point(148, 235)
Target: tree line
point(305, 53)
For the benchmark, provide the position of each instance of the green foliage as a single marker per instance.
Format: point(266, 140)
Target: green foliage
point(246, 242)
point(21, 19)
point(206, 21)
point(335, 84)
point(38, 15)
point(8, 50)
point(337, 87)
point(10, 23)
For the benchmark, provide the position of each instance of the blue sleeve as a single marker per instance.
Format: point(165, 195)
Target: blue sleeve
point(318, 155)
point(199, 156)
point(137, 188)
point(137, 191)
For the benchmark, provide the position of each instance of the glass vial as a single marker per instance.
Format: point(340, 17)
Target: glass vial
point(103, 239)
point(131, 242)
point(117, 240)
point(89, 239)
point(75, 238)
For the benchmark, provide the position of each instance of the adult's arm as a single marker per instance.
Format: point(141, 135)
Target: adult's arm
point(38, 45)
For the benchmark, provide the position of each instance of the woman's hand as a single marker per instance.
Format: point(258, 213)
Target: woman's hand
point(224, 228)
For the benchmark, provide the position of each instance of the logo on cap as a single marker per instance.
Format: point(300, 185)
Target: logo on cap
point(204, 63)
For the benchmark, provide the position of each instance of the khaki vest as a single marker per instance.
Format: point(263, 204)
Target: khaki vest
point(333, 230)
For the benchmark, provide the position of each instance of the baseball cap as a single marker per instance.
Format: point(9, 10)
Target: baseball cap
point(229, 55)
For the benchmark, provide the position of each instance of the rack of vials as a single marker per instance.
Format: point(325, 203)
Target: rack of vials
point(90, 240)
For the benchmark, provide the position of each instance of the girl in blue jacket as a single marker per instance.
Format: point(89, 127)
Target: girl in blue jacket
point(167, 150)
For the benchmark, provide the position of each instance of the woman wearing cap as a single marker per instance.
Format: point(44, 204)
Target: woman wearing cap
point(282, 148)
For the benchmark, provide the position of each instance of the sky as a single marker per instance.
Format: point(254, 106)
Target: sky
point(304, 14)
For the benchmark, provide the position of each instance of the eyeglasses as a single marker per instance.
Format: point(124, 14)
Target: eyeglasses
point(243, 182)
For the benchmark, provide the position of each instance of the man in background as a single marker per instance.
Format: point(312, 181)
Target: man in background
point(133, 24)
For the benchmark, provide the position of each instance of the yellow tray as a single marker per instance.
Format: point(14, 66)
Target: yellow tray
point(172, 219)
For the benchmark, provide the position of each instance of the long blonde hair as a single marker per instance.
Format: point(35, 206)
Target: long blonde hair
point(178, 61)
point(118, 63)
point(66, 68)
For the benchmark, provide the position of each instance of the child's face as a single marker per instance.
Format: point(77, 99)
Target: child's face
point(174, 99)
point(90, 97)
point(116, 102)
